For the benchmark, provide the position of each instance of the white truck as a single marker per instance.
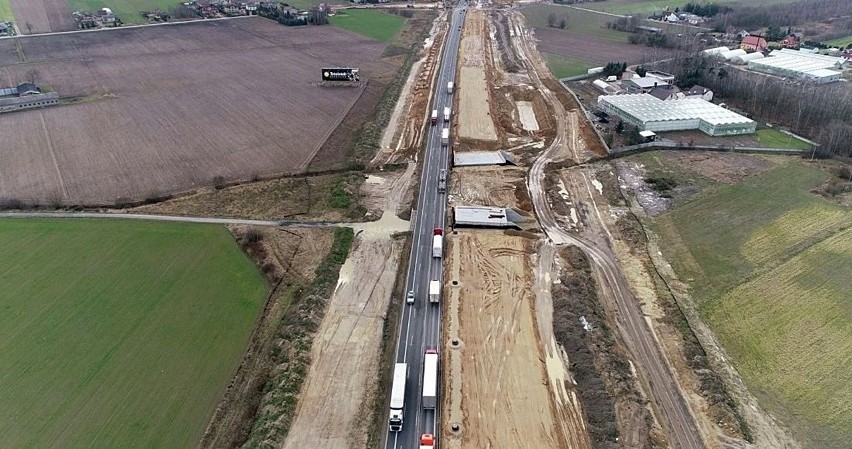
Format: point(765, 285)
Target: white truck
point(437, 246)
point(447, 114)
point(434, 116)
point(400, 373)
point(445, 136)
point(434, 291)
point(430, 379)
point(450, 87)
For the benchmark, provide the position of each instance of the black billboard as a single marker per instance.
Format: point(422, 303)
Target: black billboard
point(340, 74)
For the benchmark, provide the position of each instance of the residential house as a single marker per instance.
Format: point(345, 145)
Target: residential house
point(233, 9)
point(665, 93)
point(791, 41)
point(753, 43)
point(743, 34)
point(700, 92)
point(251, 8)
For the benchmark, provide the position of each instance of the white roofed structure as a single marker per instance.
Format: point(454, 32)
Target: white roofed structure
point(798, 64)
point(652, 114)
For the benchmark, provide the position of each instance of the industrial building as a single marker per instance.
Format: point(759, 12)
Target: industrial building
point(814, 68)
point(652, 114)
point(25, 96)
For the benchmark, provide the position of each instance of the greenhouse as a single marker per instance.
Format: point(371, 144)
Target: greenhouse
point(652, 114)
point(814, 68)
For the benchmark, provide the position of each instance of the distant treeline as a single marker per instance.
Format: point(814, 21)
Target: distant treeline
point(751, 18)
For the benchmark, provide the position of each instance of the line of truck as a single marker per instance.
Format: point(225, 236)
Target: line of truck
point(429, 393)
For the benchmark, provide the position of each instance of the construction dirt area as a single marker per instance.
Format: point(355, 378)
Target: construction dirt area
point(473, 105)
point(496, 388)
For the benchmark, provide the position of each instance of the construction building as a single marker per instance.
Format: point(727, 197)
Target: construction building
point(649, 113)
point(810, 67)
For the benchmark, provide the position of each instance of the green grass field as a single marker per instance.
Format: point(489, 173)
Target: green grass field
point(648, 6)
point(371, 23)
point(6, 11)
point(841, 42)
point(127, 10)
point(772, 138)
point(589, 23)
point(118, 333)
point(769, 264)
point(789, 332)
point(563, 67)
point(723, 238)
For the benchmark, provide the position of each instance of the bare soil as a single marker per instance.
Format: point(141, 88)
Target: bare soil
point(489, 186)
point(302, 198)
point(474, 108)
point(576, 45)
point(43, 16)
point(496, 387)
point(167, 109)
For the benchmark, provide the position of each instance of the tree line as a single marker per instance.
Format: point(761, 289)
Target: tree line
point(781, 15)
point(822, 113)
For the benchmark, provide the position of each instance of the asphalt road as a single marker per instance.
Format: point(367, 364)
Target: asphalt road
point(420, 324)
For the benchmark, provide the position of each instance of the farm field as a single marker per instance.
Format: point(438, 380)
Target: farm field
point(735, 232)
point(648, 6)
point(6, 11)
point(788, 332)
point(119, 334)
point(368, 22)
point(841, 42)
point(563, 67)
point(42, 16)
point(167, 109)
point(768, 262)
point(585, 41)
point(127, 10)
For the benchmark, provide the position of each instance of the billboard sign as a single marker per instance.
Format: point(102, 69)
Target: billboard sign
point(340, 74)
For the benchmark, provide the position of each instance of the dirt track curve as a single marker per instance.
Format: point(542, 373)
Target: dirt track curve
point(669, 405)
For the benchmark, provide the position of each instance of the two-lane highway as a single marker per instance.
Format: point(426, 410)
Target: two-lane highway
point(420, 324)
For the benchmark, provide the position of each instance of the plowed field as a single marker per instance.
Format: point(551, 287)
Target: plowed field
point(43, 16)
point(170, 108)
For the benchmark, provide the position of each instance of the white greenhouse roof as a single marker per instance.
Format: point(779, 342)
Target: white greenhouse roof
point(648, 108)
point(824, 72)
point(797, 61)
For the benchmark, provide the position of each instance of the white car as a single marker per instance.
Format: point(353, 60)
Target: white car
point(410, 298)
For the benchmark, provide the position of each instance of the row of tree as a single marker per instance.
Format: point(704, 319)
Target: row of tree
point(820, 112)
point(783, 15)
point(706, 9)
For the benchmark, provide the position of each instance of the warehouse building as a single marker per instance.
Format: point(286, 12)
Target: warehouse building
point(652, 114)
point(25, 96)
point(814, 68)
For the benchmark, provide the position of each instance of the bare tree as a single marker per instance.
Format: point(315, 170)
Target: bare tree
point(32, 76)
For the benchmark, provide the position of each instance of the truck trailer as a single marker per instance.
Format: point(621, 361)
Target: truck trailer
point(434, 116)
point(447, 114)
point(445, 136)
point(400, 373)
point(450, 87)
point(434, 291)
point(437, 246)
point(442, 180)
point(430, 379)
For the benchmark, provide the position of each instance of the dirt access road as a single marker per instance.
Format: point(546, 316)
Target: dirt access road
point(474, 114)
point(669, 405)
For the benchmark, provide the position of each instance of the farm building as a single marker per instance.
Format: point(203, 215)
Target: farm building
point(818, 69)
point(753, 43)
point(642, 85)
point(652, 114)
point(663, 76)
point(666, 93)
point(714, 51)
point(744, 59)
point(25, 96)
point(730, 54)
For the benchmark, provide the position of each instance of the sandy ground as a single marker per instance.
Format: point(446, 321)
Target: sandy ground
point(342, 378)
point(475, 121)
point(497, 389)
point(527, 115)
point(488, 186)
